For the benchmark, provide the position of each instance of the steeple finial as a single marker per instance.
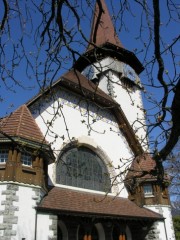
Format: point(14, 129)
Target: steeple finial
point(102, 28)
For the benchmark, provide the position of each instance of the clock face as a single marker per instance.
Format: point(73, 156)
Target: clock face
point(129, 72)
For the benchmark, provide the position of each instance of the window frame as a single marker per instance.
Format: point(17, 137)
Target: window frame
point(27, 161)
point(4, 155)
point(148, 190)
point(89, 178)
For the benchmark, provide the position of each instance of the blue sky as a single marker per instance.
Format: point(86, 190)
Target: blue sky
point(13, 96)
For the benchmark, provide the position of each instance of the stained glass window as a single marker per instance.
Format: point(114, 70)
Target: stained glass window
point(83, 168)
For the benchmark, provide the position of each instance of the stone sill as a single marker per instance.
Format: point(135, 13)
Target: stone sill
point(28, 169)
point(149, 196)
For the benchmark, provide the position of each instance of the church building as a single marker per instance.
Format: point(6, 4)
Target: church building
point(74, 161)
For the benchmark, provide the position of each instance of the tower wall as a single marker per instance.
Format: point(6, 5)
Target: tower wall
point(165, 228)
point(17, 208)
point(115, 79)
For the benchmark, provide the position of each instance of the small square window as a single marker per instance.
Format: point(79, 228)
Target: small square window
point(3, 155)
point(26, 159)
point(148, 191)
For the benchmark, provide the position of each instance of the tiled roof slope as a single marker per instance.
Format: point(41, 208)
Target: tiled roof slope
point(104, 42)
point(143, 166)
point(21, 124)
point(77, 82)
point(102, 28)
point(77, 202)
point(83, 83)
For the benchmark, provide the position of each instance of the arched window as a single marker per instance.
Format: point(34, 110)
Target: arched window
point(83, 168)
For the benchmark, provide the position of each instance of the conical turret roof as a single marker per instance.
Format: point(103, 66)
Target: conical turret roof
point(21, 124)
point(102, 28)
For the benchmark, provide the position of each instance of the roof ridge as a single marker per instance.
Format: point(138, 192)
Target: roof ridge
point(20, 119)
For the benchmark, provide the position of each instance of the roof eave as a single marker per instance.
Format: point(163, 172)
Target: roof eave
point(108, 50)
point(97, 215)
point(29, 144)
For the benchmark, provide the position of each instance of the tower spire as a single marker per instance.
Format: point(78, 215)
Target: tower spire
point(102, 31)
point(104, 42)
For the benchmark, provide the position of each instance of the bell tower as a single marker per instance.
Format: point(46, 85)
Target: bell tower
point(114, 69)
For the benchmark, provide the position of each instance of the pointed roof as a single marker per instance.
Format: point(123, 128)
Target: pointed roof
point(104, 42)
point(144, 167)
point(102, 28)
point(21, 124)
point(78, 83)
point(74, 81)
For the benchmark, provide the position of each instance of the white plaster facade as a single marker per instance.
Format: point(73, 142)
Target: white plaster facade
point(104, 133)
point(165, 228)
point(66, 117)
point(18, 211)
point(110, 73)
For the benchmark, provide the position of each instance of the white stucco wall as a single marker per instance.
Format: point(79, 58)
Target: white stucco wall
point(18, 217)
point(43, 225)
point(26, 214)
point(130, 100)
point(2, 206)
point(166, 229)
point(17, 210)
point(104, 132)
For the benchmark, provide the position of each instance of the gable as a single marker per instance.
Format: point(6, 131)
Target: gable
point(79, 84)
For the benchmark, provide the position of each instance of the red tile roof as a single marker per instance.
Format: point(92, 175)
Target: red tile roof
point(21, 124)
point(102, 28)
point(143, 166)
point(77, 82)
point(76, 202)
point(82, 83)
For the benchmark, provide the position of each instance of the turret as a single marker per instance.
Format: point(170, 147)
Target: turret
point(148, 187)
point(144, 185)
point(24, 153)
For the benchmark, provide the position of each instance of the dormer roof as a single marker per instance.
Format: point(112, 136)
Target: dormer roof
point(144, 168)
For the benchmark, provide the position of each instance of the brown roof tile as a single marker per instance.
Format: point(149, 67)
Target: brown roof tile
point(82, 83)
point(104, 42)
point(77, 82)
point(143, 166)
point(102, 28)
point(21, 124)
point(77, 202)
